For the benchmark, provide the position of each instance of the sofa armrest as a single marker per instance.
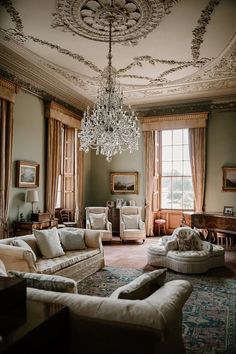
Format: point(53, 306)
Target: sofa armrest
point(122, 228)
point(17, 258)
point(88, 224)
point(93, 239)
point(141, 225)
point(109, 226)
point(207, 246)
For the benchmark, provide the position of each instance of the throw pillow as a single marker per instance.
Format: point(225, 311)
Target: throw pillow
point(98, 221)
point(131, 221)
point(3, 272)
point(72, 240)
point(187, 239)
point(49, 243)
point(141, 287)
point(46, 281)
point(21, 243)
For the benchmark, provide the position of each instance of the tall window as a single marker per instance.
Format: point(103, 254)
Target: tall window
point(174, 170)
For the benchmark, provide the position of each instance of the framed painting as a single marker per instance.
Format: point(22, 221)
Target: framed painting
point(27, 174)
point(124, 182)
point(229, 179)
point(228, 210)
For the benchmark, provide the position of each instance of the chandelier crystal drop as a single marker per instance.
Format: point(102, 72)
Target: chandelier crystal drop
point(110, 129)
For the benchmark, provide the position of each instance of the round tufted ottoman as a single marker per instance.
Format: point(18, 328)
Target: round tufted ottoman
point(188, 262)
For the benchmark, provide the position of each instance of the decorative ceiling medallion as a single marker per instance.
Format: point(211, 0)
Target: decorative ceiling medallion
point(132, 19)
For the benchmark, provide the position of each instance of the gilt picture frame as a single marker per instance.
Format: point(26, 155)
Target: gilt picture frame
point(229, 179)
point(124, 182)
point(27, 174)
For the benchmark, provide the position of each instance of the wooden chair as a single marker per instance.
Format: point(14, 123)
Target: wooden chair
point(66, 218)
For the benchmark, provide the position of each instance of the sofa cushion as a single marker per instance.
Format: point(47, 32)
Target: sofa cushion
point(189, 256)
point(3, 272)
point(52, 265)
point(131, 221)
point(141, 287)
point(21, 243)
point(46, 282)
point(49, 243)
point(187, 239)
point(98, 221)
point(72, 240)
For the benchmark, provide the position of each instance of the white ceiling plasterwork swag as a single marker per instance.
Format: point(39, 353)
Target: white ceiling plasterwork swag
point(146, 76)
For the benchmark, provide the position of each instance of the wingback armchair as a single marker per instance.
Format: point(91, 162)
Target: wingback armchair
point(97, 219)
point(131, 225)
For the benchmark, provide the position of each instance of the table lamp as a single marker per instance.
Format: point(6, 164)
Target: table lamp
point(32, 197)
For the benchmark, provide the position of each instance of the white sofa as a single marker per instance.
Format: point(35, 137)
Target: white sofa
point(150, 324)
point(76, 264)
point(185, 252)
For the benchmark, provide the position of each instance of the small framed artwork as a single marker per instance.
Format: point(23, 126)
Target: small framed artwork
point(27, 174)
point(110, 204)
point(228, 210)
point(124, 182)
point(119, 203)
point(229, 179)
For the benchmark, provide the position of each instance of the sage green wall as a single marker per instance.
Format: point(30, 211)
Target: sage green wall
point(29, 144)
point(221, 151)
point(100, 177)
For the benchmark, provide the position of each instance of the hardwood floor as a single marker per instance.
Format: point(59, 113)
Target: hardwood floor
point(134, 255)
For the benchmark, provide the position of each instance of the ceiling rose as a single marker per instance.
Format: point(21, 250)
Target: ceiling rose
point(133, 19)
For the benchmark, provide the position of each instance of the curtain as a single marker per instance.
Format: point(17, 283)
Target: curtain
point(80, 184)
point(54, 152)
point(6, 143)
point(197, 150)
point(149, 144)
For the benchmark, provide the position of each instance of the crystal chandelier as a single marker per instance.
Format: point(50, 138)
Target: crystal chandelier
point(110, 129)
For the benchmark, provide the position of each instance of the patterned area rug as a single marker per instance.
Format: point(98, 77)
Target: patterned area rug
point(209, 315)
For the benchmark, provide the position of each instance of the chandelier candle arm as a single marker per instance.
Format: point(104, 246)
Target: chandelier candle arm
point(110, 129)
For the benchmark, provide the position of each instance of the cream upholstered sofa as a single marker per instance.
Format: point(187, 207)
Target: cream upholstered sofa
point(97, 219)
point(144, 316)
point(69, 252)
point(185, 252)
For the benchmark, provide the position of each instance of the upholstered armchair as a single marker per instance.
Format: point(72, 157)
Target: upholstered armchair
point(131, 225)
point(97, 219)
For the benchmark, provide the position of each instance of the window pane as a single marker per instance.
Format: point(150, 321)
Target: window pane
point(167, 153)
point(166, 168)
point(188, 200)
point(177, 152)
point(177, 168)
point(186, 152)
point(177, 184)
point(187, 184)
point(166, 184)
point(177, 137)
point(185, 136)
point(166, 200)
point(167, 137)
point(187, 168)
point(177, 200)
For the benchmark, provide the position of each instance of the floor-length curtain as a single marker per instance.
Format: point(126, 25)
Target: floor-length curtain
point(197, 149)
point(54, 151)
point(6, 142)
point(149, 144)
point(80, 184)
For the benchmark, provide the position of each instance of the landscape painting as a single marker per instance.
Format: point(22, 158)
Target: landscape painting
point(124, 182)
point(229, 179)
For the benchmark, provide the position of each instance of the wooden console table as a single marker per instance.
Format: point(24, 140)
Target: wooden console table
point(212, 222)
point(27, 227)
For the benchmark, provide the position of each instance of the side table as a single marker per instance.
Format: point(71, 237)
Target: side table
point(27, 227)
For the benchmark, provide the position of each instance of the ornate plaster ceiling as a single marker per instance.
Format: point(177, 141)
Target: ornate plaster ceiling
point(163, 50)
